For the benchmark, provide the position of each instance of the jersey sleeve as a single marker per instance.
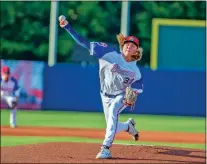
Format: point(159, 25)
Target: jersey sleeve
point(82, 41)
point(97, 49)
point(138, 85)
point(16, 89)
point(100, 49)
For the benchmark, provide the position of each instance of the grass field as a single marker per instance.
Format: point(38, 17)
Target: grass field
point(96, 120)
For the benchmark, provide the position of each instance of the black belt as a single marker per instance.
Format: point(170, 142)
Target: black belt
point(109, 95)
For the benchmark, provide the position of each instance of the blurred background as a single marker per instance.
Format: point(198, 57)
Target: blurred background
point(173, 66)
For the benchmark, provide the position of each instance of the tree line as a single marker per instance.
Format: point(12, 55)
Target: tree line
point(25, 25)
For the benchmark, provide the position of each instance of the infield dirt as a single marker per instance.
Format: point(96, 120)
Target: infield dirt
point(86, 152)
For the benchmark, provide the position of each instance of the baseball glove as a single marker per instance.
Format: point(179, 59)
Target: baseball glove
point(130, 97)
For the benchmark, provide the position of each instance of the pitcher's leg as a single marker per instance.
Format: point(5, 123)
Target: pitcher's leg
point(122, 126)
point(11, 101)
point(106, 103)
point(128, 126)
point(13, 117)
point(112, 124)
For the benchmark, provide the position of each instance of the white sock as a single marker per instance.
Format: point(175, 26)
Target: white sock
point(13, 116)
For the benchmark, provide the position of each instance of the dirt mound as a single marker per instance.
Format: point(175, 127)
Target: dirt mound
point(86, 152)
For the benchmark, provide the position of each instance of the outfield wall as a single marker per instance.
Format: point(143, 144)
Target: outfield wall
point(73, 87)
point(178, 44)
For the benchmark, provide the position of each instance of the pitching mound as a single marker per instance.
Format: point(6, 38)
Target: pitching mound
point(86, 152)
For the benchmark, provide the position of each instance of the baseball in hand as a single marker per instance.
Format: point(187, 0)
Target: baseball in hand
point(61, 18)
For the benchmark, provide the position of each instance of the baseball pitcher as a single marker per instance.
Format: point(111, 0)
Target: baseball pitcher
point(118, 75)
point(9, 93)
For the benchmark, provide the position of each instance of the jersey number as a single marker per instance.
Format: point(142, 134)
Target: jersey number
point(128, 80)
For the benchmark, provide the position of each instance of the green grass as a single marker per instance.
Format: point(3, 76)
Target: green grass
point(15, 140)
point(96, 120)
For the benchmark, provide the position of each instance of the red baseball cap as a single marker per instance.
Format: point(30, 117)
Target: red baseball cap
point(132, 39)
point(5, 69)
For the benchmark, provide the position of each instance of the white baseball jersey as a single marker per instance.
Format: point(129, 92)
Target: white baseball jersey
point(9, 88)
point(115, 72)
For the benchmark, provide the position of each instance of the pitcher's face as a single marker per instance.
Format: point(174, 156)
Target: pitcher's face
point(129, 49)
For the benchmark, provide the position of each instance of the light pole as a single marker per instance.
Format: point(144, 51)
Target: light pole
point(125, 18)
point(52, 56)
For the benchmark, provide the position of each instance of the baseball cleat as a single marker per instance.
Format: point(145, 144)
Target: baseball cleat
point(104, 154)
point(132, 130)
